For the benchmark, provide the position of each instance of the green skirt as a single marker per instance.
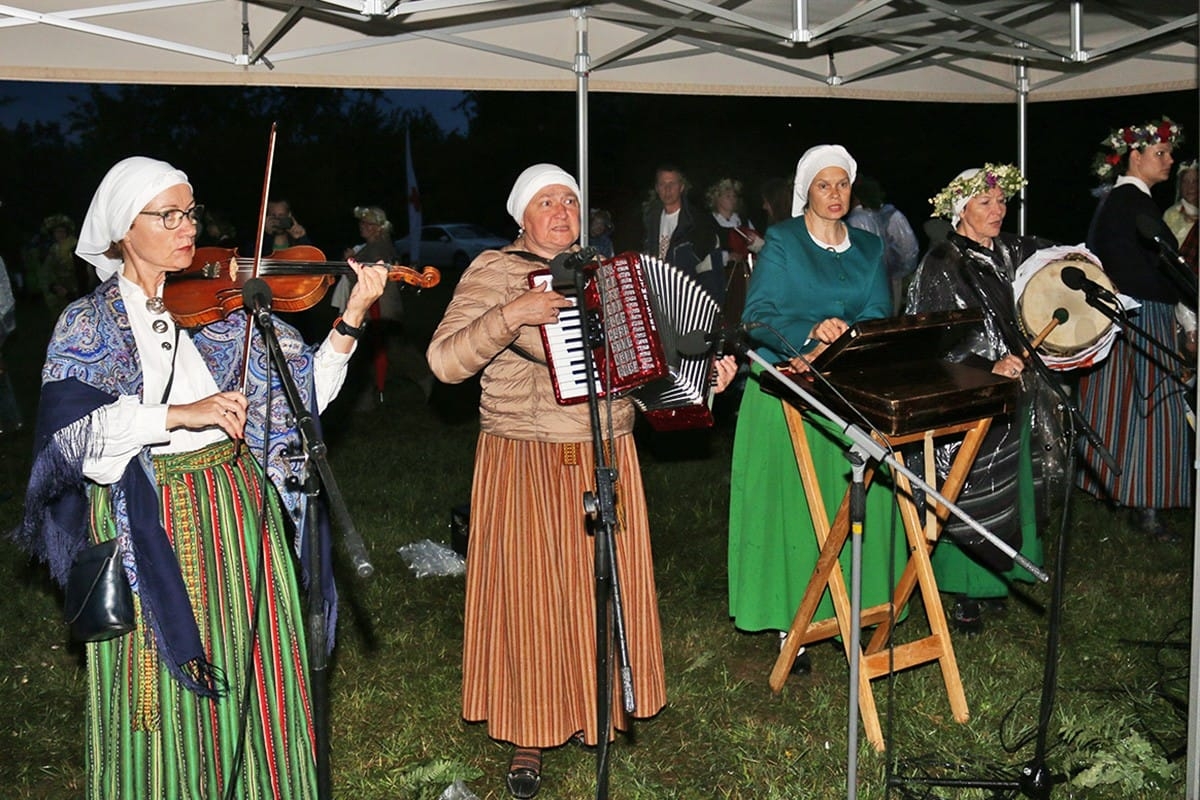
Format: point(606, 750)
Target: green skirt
point(147, 736)
point(772, 543)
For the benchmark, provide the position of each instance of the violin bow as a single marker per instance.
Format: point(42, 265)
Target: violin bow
point(262, 227)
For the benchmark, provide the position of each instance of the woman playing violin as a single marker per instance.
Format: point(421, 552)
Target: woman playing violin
point(138, 438)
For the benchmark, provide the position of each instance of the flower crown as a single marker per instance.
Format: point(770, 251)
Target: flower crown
point(1005, 176)
point(1122, 140)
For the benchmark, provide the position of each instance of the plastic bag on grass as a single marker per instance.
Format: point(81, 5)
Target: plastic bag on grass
point(426, 558)
point(458, 791)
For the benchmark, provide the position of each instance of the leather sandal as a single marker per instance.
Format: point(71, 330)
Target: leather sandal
point(524, 773)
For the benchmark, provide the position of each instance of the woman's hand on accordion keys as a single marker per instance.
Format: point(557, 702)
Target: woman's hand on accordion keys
point(538, 306)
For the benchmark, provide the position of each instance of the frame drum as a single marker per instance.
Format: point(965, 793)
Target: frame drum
point(1087, 335)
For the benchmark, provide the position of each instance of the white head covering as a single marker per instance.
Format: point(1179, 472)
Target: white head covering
point(961, 202)
point(813, 161)
point(125, 190)
point(532, 181)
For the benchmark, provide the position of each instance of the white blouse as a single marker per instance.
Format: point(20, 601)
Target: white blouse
point(131, 423)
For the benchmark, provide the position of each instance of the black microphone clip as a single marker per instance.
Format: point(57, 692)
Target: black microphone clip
point(1151, 228)
point(256, 299)
point(724, 339)
point(564, 265)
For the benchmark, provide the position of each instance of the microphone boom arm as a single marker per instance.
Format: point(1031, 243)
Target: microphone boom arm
point(881, 454)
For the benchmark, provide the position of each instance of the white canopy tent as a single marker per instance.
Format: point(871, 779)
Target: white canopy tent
point(893, 49)
point(992, 51)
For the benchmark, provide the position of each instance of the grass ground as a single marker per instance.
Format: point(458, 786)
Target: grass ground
point(1119, 716)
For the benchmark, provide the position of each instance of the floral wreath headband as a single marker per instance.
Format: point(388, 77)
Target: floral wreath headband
point(1122, 140)
point(1005, 176)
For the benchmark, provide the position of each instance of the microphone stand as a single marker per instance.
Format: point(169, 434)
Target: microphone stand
point(316, 451)
point(863, 448)
point(1122, 319)
point(600, 508)
point(1177, 268)
point(1035, 780)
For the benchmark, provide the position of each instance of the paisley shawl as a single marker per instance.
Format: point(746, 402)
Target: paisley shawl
point(91, 361)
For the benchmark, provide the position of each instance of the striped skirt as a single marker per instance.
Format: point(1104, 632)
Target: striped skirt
point(529, 649)
point(1140, 412)
point(147, 736)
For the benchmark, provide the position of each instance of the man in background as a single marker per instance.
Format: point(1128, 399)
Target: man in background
point(682, 235)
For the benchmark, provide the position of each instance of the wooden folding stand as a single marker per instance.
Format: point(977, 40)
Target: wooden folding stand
point(877, 660)
point(908, 403)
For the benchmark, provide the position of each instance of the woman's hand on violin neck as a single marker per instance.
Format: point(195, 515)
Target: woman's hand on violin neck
point(370, 281)
point(224, 410)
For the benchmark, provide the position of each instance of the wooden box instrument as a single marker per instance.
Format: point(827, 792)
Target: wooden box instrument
point(893, 372)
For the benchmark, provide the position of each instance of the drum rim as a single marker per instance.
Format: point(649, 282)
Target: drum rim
point(1093, 271)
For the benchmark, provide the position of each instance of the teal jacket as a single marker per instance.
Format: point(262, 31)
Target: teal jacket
point(796, 284)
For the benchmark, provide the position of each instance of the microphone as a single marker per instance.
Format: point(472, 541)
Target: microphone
point(564, 265)
point(1150, 228)
point(256, 299)
point(725, 338)
point(1074, 278)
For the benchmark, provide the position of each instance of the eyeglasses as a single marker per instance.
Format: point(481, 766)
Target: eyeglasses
point(172, 218)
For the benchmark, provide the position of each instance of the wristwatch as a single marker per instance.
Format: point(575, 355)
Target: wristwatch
point(341, 327)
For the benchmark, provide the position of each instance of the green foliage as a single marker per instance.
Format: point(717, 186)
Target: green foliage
point(1112, 753)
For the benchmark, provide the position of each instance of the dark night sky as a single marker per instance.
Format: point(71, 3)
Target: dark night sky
point(912, 148)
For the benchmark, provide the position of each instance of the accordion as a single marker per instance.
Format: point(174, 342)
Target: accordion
point(640, 307)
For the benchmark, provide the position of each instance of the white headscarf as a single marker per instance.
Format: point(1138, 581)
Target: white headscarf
point(532, 181)
point(813, 161)
point(125, 190)
point(960, 203)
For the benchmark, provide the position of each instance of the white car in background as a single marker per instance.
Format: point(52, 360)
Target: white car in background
point(451, 245)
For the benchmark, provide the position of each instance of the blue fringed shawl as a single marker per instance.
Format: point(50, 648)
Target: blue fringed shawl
point(92, 361)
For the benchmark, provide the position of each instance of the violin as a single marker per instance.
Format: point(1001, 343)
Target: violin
point(211, 288)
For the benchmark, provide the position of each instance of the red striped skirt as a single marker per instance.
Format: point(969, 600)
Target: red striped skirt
point(529, 647)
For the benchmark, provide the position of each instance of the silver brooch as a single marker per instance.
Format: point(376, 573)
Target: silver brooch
point(155, 305)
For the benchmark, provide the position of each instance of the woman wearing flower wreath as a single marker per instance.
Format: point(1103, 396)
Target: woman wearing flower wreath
point(1132, 399)
point(974, 267)
point(814, 278)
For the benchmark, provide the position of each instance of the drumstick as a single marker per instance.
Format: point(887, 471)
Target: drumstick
point(1059, 316)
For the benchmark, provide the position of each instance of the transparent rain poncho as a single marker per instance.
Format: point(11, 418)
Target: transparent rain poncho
point(942, 283)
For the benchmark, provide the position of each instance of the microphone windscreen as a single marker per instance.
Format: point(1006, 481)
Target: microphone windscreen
point(1073, 277)
point(1148, 227)
point(692, 344)
point(560, 270)
point(256, 294)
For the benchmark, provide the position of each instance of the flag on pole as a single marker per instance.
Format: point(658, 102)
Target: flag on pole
point(414, 206)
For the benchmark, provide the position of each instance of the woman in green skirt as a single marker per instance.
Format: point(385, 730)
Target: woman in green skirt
point(815, 276)
point(149, 436)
